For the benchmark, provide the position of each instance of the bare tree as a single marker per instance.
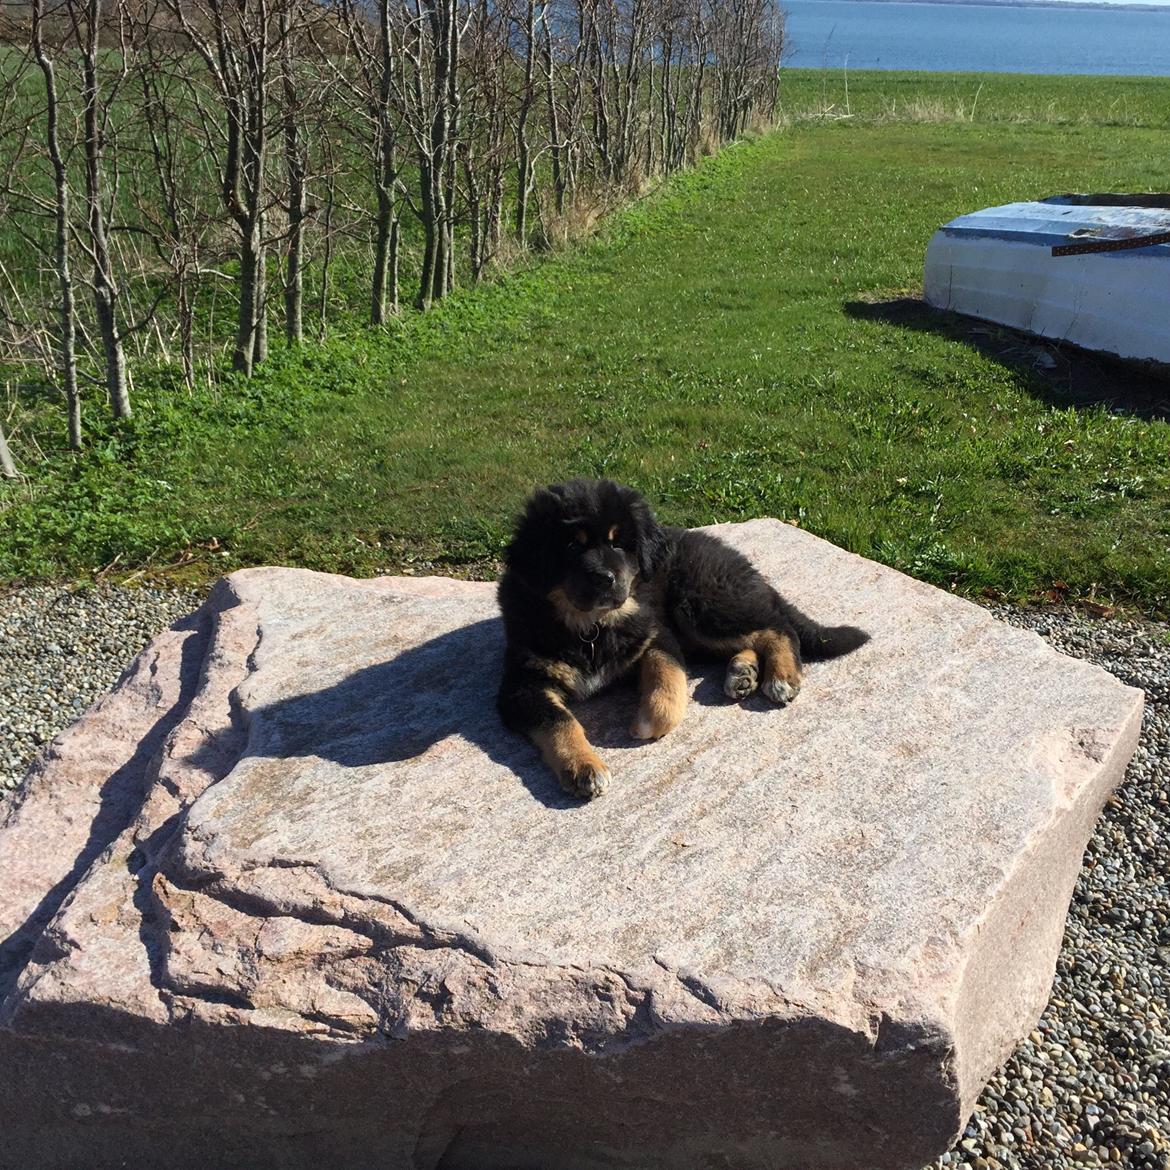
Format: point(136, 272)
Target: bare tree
point(66, 306)
point(296, 160)
point(748, 39)
point(169, 191)
point(385, 160)
point(86, 19)
point(375, 46)
point(180, 144)
point(557, 124)
point(330, 201)
point(484, 147)
point(525, 161)
point(431, 43)
point(234, 40)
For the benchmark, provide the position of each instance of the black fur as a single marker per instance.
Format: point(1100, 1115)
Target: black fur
point(581, 611)
point(714, 591)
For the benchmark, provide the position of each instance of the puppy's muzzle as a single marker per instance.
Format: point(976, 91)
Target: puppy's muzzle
point(601, 590)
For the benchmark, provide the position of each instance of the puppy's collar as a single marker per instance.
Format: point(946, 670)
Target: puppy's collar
point(590, 637)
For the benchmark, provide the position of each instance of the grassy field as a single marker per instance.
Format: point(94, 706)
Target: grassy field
point(733, 345)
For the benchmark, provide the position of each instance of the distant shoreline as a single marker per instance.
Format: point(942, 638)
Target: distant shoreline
point(1096, 5)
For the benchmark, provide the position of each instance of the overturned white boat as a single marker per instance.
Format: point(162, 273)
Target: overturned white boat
point(1092, 270)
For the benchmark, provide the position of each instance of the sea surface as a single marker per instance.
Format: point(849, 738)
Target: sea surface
point(874, 34)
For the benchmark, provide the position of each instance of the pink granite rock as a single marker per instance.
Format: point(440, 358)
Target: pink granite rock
point(291, 893)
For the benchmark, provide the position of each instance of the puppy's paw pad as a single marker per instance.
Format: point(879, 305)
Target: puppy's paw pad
point(741, 681)
point(587, 780)
point(779, 691)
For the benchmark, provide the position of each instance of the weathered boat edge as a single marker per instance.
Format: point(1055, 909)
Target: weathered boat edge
point(997, 265)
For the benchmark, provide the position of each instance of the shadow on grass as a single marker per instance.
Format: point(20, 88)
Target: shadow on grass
point(1058, 374)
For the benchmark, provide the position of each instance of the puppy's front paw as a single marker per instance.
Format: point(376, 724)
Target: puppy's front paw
point(741, 680)
point(653, 721)
point(779, 691)
point(585, 777)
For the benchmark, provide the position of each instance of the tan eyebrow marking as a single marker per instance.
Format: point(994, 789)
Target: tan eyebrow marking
point(613, 532)
point(581, 536)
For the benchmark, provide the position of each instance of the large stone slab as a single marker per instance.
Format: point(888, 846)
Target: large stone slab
point(290, 892)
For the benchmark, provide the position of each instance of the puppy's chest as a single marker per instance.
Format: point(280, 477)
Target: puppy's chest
point(605, 662)
point(590, 681)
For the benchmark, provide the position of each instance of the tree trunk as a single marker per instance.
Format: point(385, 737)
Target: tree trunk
point(67, 353)
point(450, 143)
point(556, 147)
point(395, 232)
point(296, 168)
point(294, 279)
point(327, 255)
point(383, 229)
point(260, 353)
point(244, 354)
point(523, 149)
point(7, 467)
point(186, 331)
point(105, 288)
point(385, 178)
point(475, 220)
point(430, 235)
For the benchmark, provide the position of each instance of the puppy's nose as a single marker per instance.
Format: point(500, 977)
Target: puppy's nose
point(602, 578)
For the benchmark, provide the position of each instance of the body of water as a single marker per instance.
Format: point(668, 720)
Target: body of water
point(872, 34)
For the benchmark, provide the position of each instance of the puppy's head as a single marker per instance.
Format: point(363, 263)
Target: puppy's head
point(586, 541)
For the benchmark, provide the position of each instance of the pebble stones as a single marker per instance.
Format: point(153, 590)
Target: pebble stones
point(60, 649)
point(1089, 1088)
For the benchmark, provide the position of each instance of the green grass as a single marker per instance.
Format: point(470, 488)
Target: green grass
point(711, 347)
point(990, 98)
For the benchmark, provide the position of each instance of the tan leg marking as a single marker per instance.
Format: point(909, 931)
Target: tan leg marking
point(743, 675)
point(664, 696)
point(570, 755)
point(767, 655)
point(781, 676)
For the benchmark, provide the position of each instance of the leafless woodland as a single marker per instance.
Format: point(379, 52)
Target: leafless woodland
point(179, 176)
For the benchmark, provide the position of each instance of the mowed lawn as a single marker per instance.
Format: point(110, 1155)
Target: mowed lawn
point(716, 346)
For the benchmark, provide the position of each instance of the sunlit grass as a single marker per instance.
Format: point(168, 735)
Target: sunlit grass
point(707, 347)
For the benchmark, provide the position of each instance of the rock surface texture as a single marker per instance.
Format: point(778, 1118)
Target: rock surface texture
point(291, 894)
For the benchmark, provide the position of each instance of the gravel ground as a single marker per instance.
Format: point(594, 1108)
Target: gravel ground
point(61, 649)
point(1090, 1087)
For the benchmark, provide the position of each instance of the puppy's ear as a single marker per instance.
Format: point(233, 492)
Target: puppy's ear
point(652, 543)
point(533, 552)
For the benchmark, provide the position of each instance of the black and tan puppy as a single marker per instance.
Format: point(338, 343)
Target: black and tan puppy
point(595, 589)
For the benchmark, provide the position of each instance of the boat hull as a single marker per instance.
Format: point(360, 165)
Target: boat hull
point(997, 265)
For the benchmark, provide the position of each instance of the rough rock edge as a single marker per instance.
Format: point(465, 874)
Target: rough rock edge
point(1034, 914)
point(63, 822)
point(607, 1009)
point(157, 785)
